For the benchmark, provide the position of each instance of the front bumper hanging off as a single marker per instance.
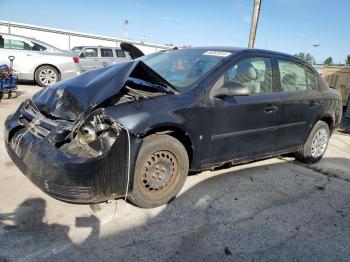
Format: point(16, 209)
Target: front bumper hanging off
point(65, 177)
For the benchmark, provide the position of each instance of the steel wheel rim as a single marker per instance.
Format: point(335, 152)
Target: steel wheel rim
point(319, 143)
point(159, 172)
point(48, 76)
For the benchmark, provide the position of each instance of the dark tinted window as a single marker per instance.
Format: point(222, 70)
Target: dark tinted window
point(106, 52)
point(256, 73)
point(120, 53)
point(295, 77)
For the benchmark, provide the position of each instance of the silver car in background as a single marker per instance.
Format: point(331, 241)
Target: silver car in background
point(99, 56)
point(38, 61)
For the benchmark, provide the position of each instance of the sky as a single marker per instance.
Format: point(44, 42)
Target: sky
point(288, 26)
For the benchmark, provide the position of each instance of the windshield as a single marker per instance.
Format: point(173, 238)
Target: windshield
point(183, 67)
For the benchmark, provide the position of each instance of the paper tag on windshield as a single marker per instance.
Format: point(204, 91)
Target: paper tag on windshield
point(217, 53)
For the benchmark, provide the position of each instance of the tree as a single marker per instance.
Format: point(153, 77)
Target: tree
point(305, 56)
point(328, 61)
point(300, 55)
point(347, 60)
point(309, 58)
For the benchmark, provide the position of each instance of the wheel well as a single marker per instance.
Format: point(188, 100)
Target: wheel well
point(329, 121)
point(59, 72)
point(177, 133)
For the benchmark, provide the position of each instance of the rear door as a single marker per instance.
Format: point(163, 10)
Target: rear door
point(299, 102)
point(245, 126)
point(107, 57)
point(89, 58)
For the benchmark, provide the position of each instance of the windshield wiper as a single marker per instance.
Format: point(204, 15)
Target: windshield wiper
point(168, 88)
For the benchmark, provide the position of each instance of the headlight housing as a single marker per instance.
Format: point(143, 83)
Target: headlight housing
point(93, 138)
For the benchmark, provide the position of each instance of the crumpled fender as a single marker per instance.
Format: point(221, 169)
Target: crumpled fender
point(141, 117)
point(73, 98)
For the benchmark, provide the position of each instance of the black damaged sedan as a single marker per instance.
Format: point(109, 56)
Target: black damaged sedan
point(136, 129)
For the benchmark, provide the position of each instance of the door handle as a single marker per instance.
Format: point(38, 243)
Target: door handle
point(270, 109)
point(312, 103)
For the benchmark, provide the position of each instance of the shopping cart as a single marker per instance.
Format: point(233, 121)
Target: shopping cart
point(8, 80)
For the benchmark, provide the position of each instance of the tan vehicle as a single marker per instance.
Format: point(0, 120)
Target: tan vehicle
point(338, 77)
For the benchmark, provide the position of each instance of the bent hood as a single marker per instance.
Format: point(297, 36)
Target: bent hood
point(74, 98)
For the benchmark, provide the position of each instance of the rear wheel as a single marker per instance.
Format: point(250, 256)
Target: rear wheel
point(46, 75)
point(316, 144)
point(161, 170)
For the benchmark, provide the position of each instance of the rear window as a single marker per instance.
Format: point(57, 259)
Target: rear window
point(106, 52)
point(120, 53)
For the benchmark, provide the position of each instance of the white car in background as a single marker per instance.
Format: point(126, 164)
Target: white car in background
point(38, 61)
point(99, 56)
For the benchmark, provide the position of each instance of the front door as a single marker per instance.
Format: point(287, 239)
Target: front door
point(244, 126)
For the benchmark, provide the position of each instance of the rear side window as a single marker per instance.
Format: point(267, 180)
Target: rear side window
point(106, 52)
point(90, 52)
point(120, 53)
point(295, 77)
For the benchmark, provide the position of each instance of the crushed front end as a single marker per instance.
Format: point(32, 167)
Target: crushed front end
point(81, 162)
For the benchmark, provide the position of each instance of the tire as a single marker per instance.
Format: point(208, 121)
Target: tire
point(316, 144)
point(46, 75)
point(160, 172)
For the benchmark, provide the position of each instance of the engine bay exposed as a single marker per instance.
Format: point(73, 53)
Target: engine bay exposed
point(78, 106)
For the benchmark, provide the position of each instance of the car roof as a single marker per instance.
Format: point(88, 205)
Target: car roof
point(96, 46)
point(246, 50)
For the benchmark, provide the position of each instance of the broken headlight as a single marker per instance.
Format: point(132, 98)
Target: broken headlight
point(94, 138)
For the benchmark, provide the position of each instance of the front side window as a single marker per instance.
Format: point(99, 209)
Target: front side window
point(255, 73)
point(106, 52)
point(295, 77)
point(90, 52)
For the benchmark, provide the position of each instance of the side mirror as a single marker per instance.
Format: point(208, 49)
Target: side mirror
point(82, 55)
point(232, 89)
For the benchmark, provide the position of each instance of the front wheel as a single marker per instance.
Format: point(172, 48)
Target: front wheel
point(316, 144)
point(160, 172)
